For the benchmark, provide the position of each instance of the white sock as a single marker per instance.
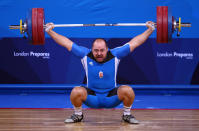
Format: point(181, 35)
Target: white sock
point(78, 110)
point(127, 110)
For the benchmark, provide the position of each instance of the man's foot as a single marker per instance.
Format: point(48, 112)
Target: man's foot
point(74, 118)
point(130, 119)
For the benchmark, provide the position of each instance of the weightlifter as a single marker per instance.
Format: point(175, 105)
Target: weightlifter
point(101, 64)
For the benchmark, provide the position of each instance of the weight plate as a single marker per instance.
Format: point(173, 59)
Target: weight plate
point(165, 24)
point(34, 27)
point(40, 23)
point(159, 24)
point(170, 28)
point(29, 25)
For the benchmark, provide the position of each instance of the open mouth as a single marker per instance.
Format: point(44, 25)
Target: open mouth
point(99, 58)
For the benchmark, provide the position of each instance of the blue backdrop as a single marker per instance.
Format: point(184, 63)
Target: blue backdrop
point(151, 63)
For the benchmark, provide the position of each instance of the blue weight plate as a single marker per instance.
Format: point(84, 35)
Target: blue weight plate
point(29, 25)
point(170, 24)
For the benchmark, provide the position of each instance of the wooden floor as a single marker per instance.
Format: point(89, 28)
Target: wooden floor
point(98, 120)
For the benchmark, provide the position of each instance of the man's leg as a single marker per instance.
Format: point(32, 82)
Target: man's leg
point(77, 96)
point(126, 95)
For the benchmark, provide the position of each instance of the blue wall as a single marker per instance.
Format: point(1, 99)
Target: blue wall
point(98, 11)
point(150, 64)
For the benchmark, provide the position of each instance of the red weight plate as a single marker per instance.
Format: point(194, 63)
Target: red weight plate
point(165, 24)
point(34, 27)
point(40, 23)
point(159, 24)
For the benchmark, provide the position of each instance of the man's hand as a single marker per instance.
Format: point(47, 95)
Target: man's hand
point(150, 25)
point(140, 39)
point(49, 27)
point(59, 39)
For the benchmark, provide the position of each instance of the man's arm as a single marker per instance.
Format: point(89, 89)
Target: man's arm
point(140, 39)
point(61, 40)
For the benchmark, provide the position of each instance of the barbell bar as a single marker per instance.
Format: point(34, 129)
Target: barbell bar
point(34, 25)
point(102, 24)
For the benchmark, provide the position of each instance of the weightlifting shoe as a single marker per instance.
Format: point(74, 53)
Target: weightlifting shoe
point(130, 119)
point(74, 118)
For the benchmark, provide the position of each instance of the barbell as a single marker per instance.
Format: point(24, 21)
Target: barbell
point(34, 25)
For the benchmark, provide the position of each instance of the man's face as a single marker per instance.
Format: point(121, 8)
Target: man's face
point(99, 50)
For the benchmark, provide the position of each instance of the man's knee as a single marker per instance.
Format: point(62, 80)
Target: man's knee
point(78, 91)
point(125, 90)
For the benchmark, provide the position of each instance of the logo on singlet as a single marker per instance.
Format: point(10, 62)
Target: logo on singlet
point(100, 74)
point(91, 63)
